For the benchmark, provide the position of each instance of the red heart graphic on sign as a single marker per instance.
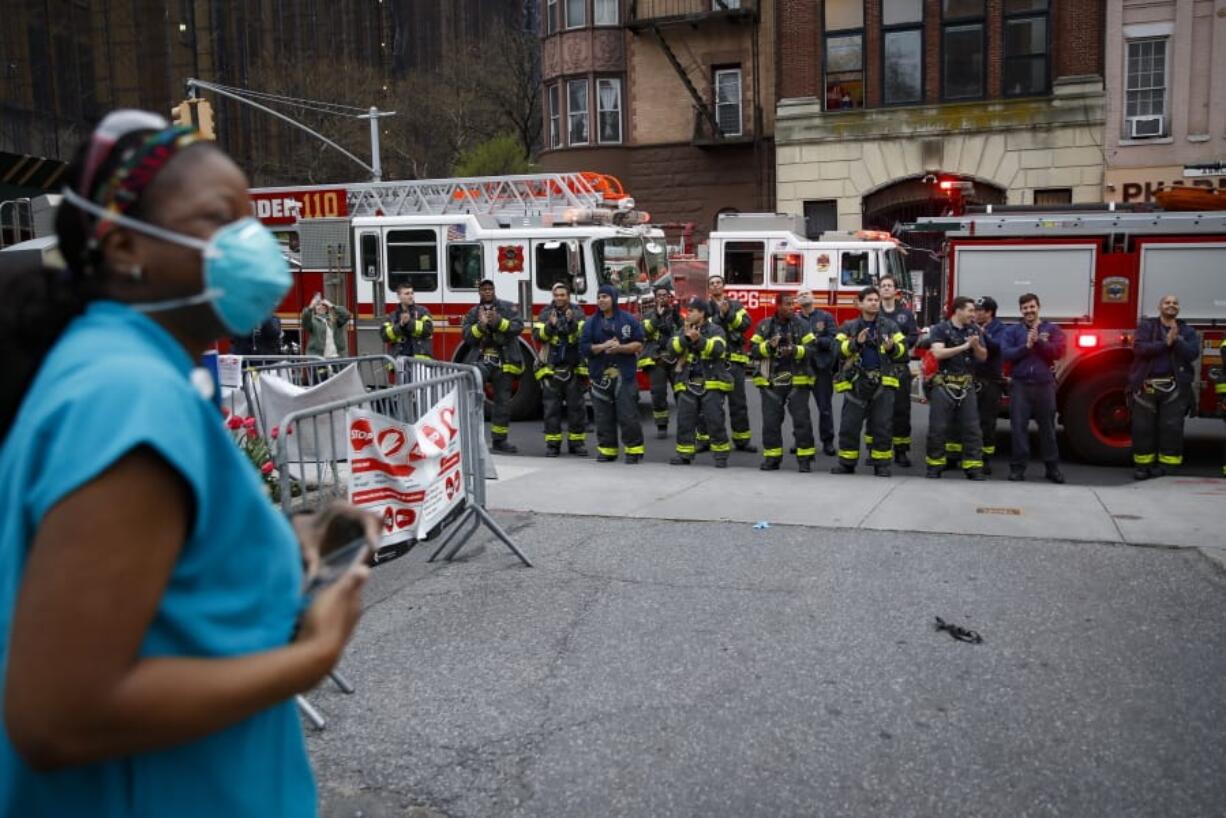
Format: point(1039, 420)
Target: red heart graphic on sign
point(360, 434)
point(405, 517)
point(389, 524)
point(452, 485)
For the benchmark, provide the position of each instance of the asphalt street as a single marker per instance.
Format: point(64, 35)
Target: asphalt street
point(1205, 439)
point(650, 668)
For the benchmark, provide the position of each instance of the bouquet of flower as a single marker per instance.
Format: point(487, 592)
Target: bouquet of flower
point(259, 452)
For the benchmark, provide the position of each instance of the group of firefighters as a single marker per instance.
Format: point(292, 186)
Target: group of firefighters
point(705, 349)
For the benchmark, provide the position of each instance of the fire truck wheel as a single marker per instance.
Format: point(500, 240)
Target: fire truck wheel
point(1097, 421)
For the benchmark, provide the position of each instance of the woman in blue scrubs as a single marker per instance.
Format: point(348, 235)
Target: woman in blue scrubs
point(152, 627)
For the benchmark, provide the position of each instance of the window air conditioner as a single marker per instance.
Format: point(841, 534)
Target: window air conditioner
point(1143, 127)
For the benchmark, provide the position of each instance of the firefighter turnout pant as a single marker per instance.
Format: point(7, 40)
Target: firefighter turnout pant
point(823, 396)
point(953, 415)
point(900, 427)
point(795, 400)
point(1158, 409)
point(866, 401)
point(615, 402)
point(564, 398)
point(661, 377)
point(706, 409)
point(988, 403)
point(500, 413)
point(738, 406)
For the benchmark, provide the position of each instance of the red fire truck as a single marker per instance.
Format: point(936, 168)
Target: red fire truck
point(1097, 272)
point(445, 235)
point(760, 255)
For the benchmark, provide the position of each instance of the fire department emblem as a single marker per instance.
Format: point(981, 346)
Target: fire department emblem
point(510, 258)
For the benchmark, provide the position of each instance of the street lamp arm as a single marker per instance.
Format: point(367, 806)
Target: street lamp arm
point(208, 86)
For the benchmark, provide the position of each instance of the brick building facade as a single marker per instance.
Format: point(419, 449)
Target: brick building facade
point(880, 99)
point(674, 97)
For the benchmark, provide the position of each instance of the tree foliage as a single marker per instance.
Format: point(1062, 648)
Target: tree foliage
point(497, 156)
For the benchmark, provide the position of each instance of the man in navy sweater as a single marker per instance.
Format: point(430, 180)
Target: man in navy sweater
point(1033, 347)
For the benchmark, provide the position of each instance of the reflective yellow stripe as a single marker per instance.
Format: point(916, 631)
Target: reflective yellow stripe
point(553, 438)
point(842, 386)
point(684, 448)
point(741, 435)
point(389, 333)
point(543, 372)
point(809, 452)
point(475, 330)
point(1220, 388)
point(718, 386)
point(499, 430)
point(739, 357)
point(844, 344)
point(989, 450)
point(772, 452)
point(1143, 459)
point(902, 441)
point(576, 437)
point(953, 447)
point(764, 349)
point(935, 461)
point(503, 325)
point(419, 326)
point(702, 437)
point(708, 347)
point(679, 386)
point(849, 454)
point(634, 450)
point(804, 380)
point(660, 415)
point(886, 455)
point(720, 448)
point(972, 464)
point(605, 450)
point(1170, 459)
point(512, 369)
point(889, 380)
point(868, 440)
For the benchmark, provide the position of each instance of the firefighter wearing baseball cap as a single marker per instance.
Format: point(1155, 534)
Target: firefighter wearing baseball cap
point(783, 347)
point(491, 330)
point(871, 349)
point(1160, 382)
point(659, 326)
point(953, 410)
point(989, 375)
point(823, 326)
point(730, 316)
point(703, 378)
point(560, 371)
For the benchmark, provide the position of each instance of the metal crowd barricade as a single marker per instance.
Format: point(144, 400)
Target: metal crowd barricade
point(231, 396)
point(376, 373)
point(430, 382)
point(324, 472)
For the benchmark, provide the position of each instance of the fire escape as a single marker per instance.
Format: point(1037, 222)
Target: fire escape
point(653, 17)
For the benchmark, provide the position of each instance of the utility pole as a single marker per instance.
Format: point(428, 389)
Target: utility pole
point(374, 115)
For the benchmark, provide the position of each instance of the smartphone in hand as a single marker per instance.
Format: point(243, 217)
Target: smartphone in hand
point(337, 561)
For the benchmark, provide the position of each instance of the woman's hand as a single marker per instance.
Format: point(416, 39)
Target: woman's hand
point(334, 613)
point(333, 527)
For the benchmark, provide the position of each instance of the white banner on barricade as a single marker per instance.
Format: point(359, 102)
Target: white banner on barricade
point(314, 441)
point(406, 473)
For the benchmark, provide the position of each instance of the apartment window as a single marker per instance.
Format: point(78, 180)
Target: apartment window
point(962, 48)
point(604, 12)
point(551, 16)
point(728, 101)
point(1145, 94)
point(555, 116)
point(902, 76)
point(577, 112)
point(844, 54)
point(1026, 36)
point(821, 215)
point(576, 13)
point(609, 111)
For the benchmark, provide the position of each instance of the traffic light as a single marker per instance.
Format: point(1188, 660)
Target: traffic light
point(204, 118)
point(195, 113)
point(181, 114)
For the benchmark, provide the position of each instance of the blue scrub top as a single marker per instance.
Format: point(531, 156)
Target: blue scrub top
point(115, 381)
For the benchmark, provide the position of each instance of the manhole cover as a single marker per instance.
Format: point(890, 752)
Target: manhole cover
point(1011, 512)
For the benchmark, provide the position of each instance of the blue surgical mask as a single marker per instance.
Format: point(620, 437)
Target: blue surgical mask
point(245, 274)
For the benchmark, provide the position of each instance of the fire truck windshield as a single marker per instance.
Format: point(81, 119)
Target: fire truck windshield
point(629, 263)
point(895, 265)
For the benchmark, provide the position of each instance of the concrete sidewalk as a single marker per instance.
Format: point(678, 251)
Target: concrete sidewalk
point(1171, 511)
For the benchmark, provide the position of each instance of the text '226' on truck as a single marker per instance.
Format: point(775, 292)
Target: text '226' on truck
point(1097, 272)
point(356, 243)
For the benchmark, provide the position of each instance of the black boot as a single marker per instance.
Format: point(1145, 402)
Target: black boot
point(680, 460)
point(702, 446)
point(1053, 473)
point(829, 450)
point(661, 432)
point(721, 461)
point(976, 475)
point(769, 464)
point(502, 446)
point(902, 458)
point(746, 446)
point(1016, 474)
point(881, 470)
point(553, 450)
point(805, 464)
point(633, 458)
point(987, 467)
point(843, 468)
point(605, 458)
point(578, 449)
point(933, 473)
point(1140, 473)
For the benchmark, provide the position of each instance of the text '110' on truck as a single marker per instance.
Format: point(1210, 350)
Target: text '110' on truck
point(1097, 271)
point(355, 243)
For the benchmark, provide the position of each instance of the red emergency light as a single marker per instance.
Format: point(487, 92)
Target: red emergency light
point(1087, 340)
